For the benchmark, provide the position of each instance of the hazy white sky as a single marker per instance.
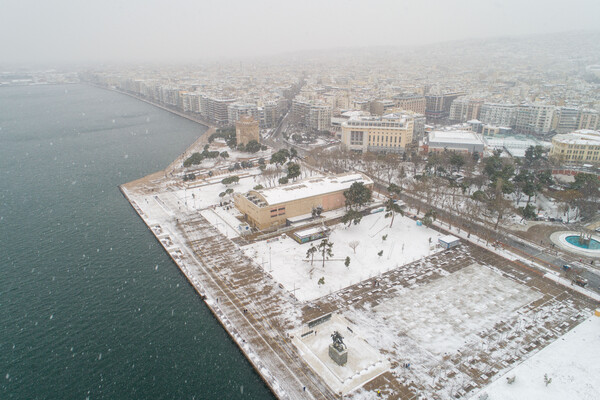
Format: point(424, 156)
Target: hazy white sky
point(64, 31)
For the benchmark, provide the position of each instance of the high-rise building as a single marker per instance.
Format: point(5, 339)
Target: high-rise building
point(498, 114)
point(319, 118)
point(565, 119)
point(437, 106)
point(534, 119)
point(312, 115)
point(464, 109)
point(269, 114)
point(236, 110)
point(588, 119)
point(217, 110)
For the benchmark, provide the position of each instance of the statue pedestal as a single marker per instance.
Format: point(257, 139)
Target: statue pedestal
point(340, 357)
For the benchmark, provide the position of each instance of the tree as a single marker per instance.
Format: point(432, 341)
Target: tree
point(230, 179)
point(353, 245)
point(224, 154)
point(194, 159)
point(587, 185)
point(325, 248)
point(280, 157)
point(310, 253)
point(457, 161)
point(321, 281)
point(391, 209)
point(293, 170)
point(357, 195)
point(252, 146)
point(258, 187)
point(347, 262)
point(380, 253)
point(498, 203)
point(394, 189)
point(528, 212)
point(431, 214)
point(261, 161)
point(284, 180)
point(530, 188)
point(352, 217)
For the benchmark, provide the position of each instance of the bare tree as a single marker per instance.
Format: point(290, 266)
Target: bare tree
point(353, 245)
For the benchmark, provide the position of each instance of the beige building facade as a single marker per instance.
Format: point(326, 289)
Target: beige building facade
point(389, 133)
point(270, 208)
point(246, 129)
point(582, 146)
point(416, 103)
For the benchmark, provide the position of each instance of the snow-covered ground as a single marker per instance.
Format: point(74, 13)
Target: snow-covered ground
point(286, 260)
point(206, 195)
point(571, 362)
point(444, 314)
point(364, 362)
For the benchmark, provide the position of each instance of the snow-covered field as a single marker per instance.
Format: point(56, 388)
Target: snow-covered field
point(444, 314)
point(571, 362)
point(286, 260)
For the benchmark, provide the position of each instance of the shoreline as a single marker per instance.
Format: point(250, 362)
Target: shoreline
point(197, 285)
point(201, 291)
point(195, 146)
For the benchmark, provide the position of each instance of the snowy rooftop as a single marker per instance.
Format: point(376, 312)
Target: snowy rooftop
point(448, 239)
point(583, 136)
point(455, 136)
point(311, 187)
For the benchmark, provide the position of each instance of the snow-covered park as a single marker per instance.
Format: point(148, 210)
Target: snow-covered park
point(286, 260)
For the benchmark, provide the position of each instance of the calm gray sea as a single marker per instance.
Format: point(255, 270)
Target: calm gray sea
point(90, 304)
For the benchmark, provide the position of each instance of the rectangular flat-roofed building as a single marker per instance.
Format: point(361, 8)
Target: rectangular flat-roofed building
point(269, 208)
point(460, 141)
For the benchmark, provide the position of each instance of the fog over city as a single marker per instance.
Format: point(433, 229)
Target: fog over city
point(69, 31)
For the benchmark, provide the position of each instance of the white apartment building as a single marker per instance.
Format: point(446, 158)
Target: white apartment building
point(464, 109)
point(236, 110)
point(498, 114)
point(534, 118)
point(565, 119)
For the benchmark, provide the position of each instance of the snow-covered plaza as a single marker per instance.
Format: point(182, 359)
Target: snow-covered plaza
point(285, 259)
point(364, 362)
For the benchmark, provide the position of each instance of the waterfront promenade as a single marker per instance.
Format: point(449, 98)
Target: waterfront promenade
point(253, 309)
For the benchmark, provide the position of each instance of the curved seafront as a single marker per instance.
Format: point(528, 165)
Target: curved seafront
point(92, 307)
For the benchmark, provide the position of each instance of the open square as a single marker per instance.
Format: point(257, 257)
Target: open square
point(364, 362)
point(444, 314)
